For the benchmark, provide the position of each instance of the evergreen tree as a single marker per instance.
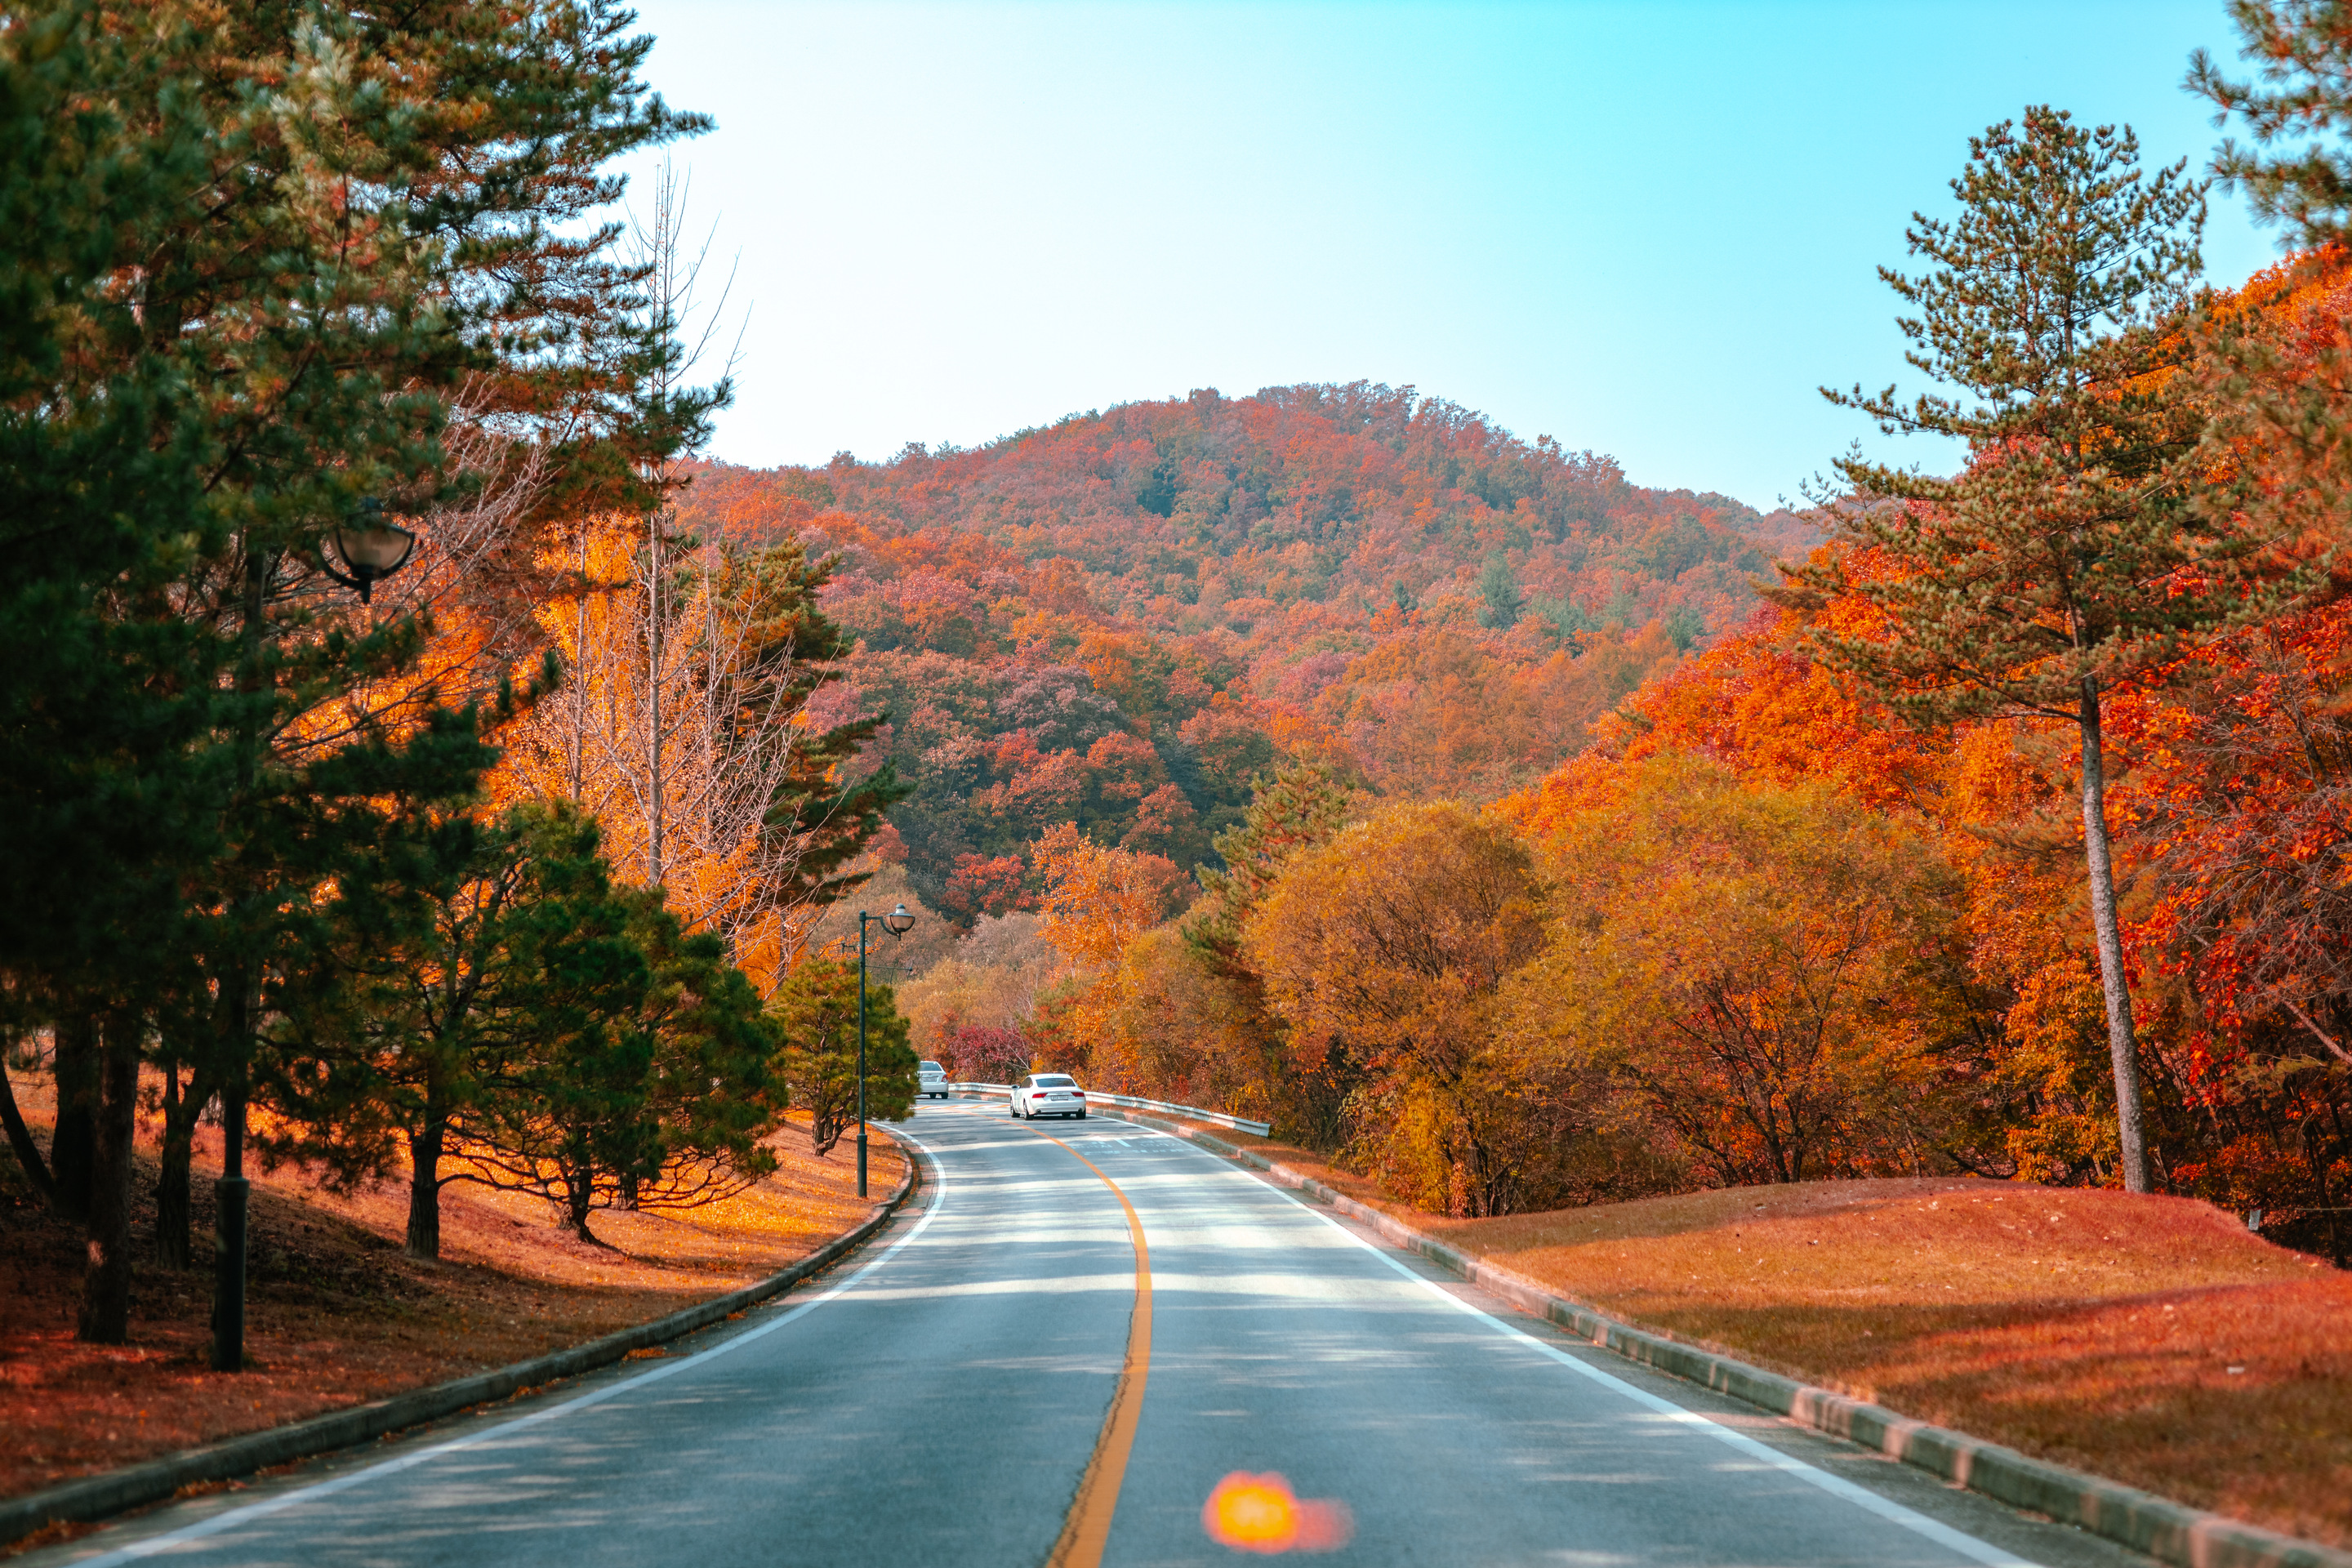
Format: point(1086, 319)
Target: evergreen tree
point(401, 1019)
point(2068, 559)
point(571, 1119)
point(2281, 381)
point(629, 1062)
point(712, 1095)
point(107, 796)
point(2297, 170)
point(815, 1017)
point(1499, 586)
point(1297, 807)
point(253, 254)
point(823, 808)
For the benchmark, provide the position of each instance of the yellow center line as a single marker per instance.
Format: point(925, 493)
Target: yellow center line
point(1088, 1529)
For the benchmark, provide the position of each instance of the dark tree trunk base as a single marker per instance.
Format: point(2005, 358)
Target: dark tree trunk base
point(175, 1211)
point(174, 1206)
point(424, 1239)
point(73, 1143)
point(106, 1286)
point(20, 1139)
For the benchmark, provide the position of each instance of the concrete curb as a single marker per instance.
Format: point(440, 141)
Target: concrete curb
point(2169, 1531)
point(97, 1497)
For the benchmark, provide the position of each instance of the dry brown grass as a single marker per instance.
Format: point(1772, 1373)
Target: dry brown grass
point(2151, 1340)
point(338, 1315)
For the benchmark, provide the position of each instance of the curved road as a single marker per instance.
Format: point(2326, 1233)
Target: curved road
point(1001, 1372)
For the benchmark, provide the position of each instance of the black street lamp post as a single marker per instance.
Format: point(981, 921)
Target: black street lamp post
point(897, 924)
point(374, 550)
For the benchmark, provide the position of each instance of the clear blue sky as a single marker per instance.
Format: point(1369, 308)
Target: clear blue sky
point(1646, 230)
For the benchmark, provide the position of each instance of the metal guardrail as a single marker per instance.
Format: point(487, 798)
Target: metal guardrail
point(1238, 1123)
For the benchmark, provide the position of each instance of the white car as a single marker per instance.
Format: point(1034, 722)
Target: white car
point(1048, 1094)
point(930, 1081)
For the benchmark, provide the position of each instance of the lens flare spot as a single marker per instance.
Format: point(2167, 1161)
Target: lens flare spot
point(1260, 1513)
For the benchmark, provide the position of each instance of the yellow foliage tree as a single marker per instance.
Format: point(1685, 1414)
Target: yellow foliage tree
point(1764, 974)
point(1387, 946)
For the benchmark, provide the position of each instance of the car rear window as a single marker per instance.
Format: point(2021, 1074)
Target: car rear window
point(927, 1066)
point(1053, 1081)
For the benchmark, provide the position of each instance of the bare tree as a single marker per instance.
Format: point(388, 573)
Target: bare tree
point(683, 722)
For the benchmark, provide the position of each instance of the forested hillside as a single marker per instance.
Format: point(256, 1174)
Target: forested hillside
point(1121, 619)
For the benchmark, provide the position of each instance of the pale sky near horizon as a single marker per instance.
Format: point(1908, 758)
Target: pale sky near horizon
point(1648, 230)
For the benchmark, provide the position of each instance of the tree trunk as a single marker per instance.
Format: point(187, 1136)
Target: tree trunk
point(173, 1224)
point(2122, 1047)
point(174, 1217)
point(73, 1146)
point(579, 1198)
point(654, 821)
point(106, 1279)
point(20, 1139)
point(424, 1183)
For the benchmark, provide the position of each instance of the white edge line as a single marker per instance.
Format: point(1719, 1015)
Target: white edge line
point(1861, 1496)
point(253, 1510)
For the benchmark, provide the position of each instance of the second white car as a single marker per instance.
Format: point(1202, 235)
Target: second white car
point(1048, 1094)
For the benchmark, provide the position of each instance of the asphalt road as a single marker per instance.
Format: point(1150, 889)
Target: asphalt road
point(965, 1389)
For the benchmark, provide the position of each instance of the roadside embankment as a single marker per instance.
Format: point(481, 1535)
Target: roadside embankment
point(2150, 1340)
point(340, 1315)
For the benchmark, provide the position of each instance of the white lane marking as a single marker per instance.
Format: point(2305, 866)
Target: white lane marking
point(1869, 1501)
point(253, 1510)
point(1288, 1289)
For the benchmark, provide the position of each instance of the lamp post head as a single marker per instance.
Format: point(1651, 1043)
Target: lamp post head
point(371, 547)
point(898, 923)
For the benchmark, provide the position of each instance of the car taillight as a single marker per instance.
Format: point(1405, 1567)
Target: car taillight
point(1077, 1095)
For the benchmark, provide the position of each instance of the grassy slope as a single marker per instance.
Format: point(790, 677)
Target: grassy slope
point(2150, 1340)
point(340, 1315)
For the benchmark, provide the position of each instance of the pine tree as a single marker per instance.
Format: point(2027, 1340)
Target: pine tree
point(398, 1020)
point(253, 254)
point(815, 1016)
point(1297, 807)
point(711, 1095)
point(569, 1119)
point(1499, 586)
point(543, 1030)
point(2069, 559)
point(2290, 173)
point(105, 792)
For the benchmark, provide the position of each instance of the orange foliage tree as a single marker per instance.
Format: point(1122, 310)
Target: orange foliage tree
point(700, 750)
point(1764, 974)
point(1097, 902)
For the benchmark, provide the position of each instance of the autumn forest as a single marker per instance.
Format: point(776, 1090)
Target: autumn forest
point(420, 759)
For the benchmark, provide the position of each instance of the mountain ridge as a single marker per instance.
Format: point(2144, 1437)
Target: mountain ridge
point(1121, 618)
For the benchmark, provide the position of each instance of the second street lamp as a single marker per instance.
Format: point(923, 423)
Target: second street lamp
point(897, 923)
